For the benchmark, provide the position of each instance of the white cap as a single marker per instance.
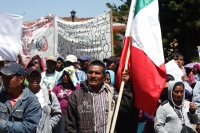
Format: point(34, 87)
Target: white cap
point(1, 59)
point(71, 58)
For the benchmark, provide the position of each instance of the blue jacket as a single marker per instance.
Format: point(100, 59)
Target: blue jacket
point(23, 117)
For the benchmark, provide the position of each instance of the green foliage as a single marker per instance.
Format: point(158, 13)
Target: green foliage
point(180, 25)
point(179, 20)
point(120, 15)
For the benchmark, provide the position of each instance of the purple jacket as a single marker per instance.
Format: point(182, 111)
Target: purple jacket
point(63, 96)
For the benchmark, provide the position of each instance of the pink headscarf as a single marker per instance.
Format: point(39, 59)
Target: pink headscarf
point(197, 66)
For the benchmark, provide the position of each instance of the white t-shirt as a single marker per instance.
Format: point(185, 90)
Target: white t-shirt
point(48, 80)
point(40, 96)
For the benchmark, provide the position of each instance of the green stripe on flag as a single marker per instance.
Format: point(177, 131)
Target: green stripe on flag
point(140, 4)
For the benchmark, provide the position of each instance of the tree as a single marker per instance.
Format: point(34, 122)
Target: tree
point(180, 21)
point(180, 25)
point(120, 15)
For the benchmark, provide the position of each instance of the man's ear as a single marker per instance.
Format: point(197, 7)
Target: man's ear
point(21, 79)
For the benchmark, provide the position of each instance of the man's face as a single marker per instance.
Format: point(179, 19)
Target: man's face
point(68, 63)
point(177, 94)
point(110, 65)
point(179, 61)
point(34, 79)
point(59, 64)
point(107, 78)
point(95, 75)
point(84, 63)
point(11, 83)
point(198, 128)
point(51, 65)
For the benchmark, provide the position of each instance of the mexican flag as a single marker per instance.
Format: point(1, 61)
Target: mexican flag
point(147, 68)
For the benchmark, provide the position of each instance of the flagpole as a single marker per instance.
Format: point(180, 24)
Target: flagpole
point(127, 37)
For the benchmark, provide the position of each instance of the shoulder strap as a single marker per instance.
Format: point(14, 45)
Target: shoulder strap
point(50, 96)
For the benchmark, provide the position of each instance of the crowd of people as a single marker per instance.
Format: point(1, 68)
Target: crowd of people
point(78, 95)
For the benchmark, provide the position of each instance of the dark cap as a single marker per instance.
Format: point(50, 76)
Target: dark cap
point(33, 69)
point(112, 58)
point(85, 57)
point(13, 68)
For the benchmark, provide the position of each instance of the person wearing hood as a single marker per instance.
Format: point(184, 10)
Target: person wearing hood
point(66, 83)
point(176, 113)
point(110, 77)
point(36, 61)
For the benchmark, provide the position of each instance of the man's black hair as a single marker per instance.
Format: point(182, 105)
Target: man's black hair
point(97, 63)
point(177, 54)
point(169, 77)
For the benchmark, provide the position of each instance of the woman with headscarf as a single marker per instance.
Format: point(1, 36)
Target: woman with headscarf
point(66, 83)
point(110, 77)
point(176, 115)
point(194, 75)
point(37, 62)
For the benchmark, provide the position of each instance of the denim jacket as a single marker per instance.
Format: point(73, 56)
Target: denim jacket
point(23, 117)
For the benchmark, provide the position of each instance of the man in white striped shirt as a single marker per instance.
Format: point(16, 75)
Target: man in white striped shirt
point(91, 108)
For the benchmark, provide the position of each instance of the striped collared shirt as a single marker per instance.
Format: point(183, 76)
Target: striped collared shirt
point(100, 104)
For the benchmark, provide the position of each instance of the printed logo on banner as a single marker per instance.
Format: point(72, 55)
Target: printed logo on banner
point(38, 38)
point(92, 37)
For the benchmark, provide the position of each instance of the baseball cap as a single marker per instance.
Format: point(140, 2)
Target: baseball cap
point(13, 68)
point(52, 58)
point(71, 58)
point(112, 58)
point(32, 69)
point(85, 57)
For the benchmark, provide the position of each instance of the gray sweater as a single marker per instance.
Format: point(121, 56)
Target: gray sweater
point(167, 120)
point(196, 98)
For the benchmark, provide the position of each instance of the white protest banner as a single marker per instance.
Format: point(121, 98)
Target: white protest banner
point(92, 37)
point(38, 38)
point(10, 36)
point(173, 69)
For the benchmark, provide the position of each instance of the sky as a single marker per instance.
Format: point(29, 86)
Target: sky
point(34, 9)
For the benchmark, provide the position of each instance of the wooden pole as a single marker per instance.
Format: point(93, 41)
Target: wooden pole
point(128, 34)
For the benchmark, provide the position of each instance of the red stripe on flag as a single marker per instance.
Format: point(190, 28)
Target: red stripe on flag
point(147, 80)
point(122, 61)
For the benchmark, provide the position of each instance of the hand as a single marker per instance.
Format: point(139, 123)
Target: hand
point(125, 76)
point(192, 107)
point(184, 78)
